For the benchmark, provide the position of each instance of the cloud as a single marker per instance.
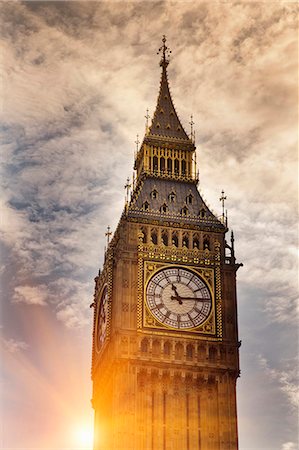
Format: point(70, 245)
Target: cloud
point(289, 446)
point(78, 78)
point(287, 379)
point(14, 346)
point(31, 295)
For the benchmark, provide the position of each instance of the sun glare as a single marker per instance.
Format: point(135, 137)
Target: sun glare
point(83, 437)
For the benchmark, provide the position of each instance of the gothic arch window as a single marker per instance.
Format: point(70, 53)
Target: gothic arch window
point(189, 199)
point(202, 213)
point(145, 206)
point(164, 237)
point(196, 241)
point(189, 352)
point(185, 240)
point(176, 166)
point(162, 164)
point(156, 348)
point(169, 165)
point(184, 211)
point(154, 193)
point(154, 237)
point(201, 352)
point(179, 351)
point(171, 197)
point(167, 349)
point(206, 243)
point(164, 208)
point(144, 346)
point(175, 239)
point(212, 353)
point(144, 233)
point(183, 167)
point(155, 163)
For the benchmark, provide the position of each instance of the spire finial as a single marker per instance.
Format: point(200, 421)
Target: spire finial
point(127, 187)
point(137, 142)
point(146, 123)
point(192, 134)
point(222, 199)
point(108, 234)
point(165, 53)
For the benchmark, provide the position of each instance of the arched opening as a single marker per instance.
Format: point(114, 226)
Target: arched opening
point(179, 351)
point(202, 213)
point(155, 163)
point(144, 346)
point(156, 348)
point(212, 353)
point(196, 241)
point(189, 199)
point(154, 237)
point(184, 211)
point(164, 208)
point(154, 194)
point(175, 239)
point(206, 243)
point(164, 237)
point(169, 165)
point(171, 197)
point(162, 164)
point(145, 206)
point(183, 167)
point(201, 352)
point(167, 349)
point(176, 166)
point(185, 240)
point(143, 235)
point(189, 352)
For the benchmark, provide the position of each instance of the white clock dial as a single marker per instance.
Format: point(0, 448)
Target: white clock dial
point(179, 298)
point(102, 318)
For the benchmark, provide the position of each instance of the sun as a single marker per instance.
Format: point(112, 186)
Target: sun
point(83, 437)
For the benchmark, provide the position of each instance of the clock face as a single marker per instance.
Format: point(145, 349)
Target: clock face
point(102, 318)
point(178, 298)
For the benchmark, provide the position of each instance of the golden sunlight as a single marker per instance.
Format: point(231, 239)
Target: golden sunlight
point(83, 437)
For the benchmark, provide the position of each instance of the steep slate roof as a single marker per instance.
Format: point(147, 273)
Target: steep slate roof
point(174, 209)
point(165, 122)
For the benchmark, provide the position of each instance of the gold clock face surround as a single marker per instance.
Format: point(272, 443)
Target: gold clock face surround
point(178, 298)
point(102, 319)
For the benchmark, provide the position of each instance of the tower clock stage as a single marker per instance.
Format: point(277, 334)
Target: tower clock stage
point(165, 337)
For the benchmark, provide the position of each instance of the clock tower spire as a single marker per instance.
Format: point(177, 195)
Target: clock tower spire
point(165, 336)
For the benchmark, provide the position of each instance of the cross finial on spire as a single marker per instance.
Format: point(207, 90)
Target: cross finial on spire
point(165, 53)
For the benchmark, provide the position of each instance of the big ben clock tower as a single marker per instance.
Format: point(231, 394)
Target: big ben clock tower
point(165, 337)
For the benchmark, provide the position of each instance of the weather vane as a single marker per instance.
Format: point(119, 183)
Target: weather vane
point(165, 53)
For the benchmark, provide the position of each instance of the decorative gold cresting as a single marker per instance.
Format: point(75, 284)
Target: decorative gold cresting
point(165, 53)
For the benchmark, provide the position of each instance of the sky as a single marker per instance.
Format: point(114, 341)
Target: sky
point(77, 78)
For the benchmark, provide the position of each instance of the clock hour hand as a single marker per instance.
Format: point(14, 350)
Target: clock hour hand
point(177, 297)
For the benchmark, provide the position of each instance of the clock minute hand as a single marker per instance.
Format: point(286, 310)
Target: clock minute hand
point(196, 299)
